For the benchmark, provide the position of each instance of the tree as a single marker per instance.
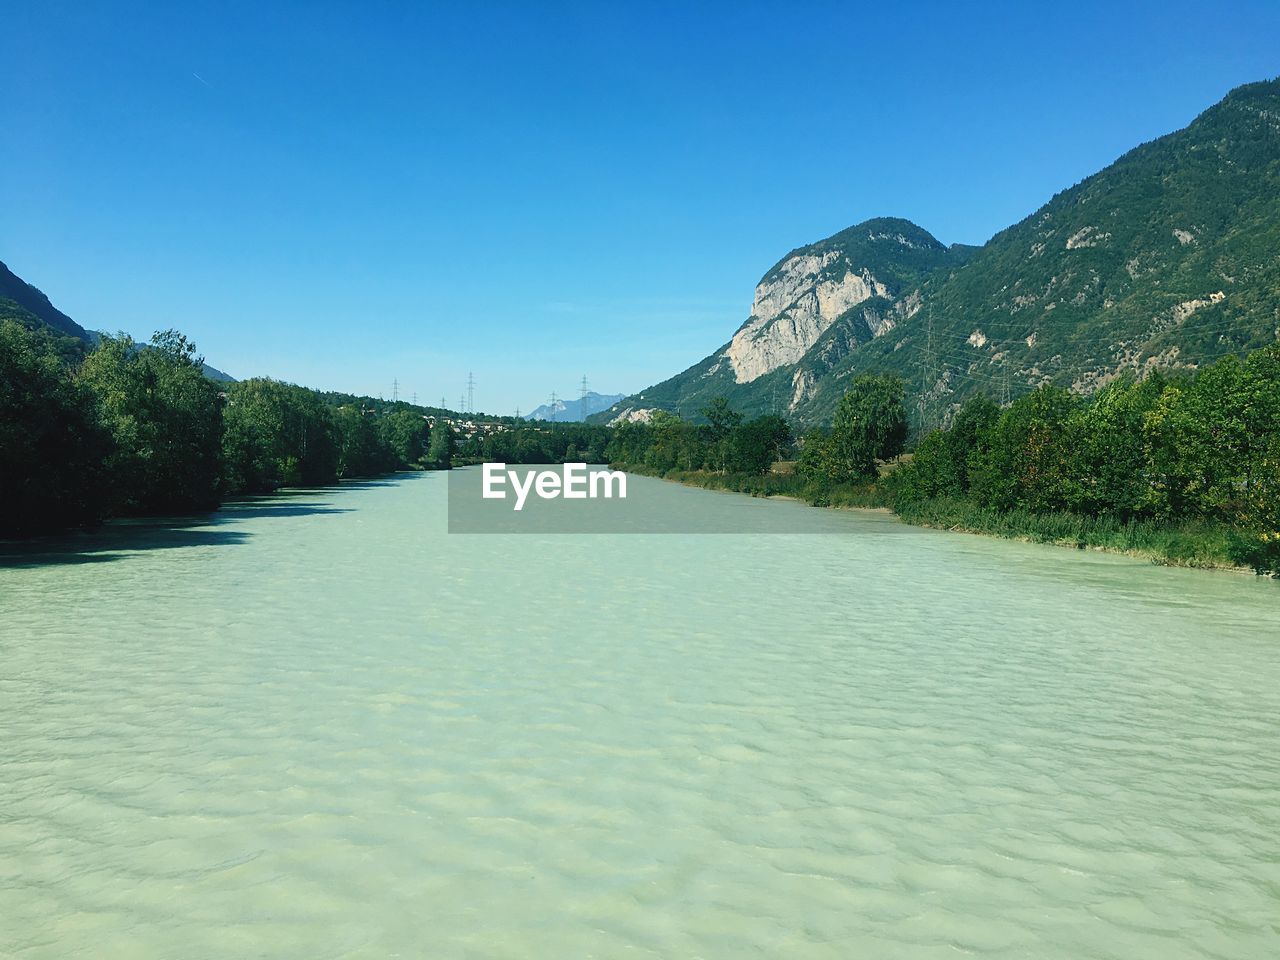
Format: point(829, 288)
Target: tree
point(817, 462)
point(404, 433)
point(1025, 458)
point(755, 445)
point(869, 424)
point(941, 462)
point(278, 434)
point(360, 450)
point(440, 451)
point(52, 447)
point(722, 420)
point(1199, 442)
point(166, 421)
point(673, 443)
point(1108, 456)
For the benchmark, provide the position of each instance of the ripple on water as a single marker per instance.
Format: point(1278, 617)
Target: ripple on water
point(344, 734)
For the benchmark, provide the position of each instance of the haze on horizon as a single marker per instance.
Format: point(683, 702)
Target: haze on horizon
point(342, 197)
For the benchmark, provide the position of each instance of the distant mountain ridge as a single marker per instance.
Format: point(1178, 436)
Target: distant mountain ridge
point(1168, 258)
point(34, 302)
point(28, 305)
point(571, 411)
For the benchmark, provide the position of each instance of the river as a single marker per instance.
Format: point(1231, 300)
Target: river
point(317, 726)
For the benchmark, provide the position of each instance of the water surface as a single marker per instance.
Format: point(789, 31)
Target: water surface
point(316, 726)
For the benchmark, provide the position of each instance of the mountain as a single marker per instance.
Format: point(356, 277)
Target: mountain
point(813, 308)
point(569, 411)
point(213, 373)
point(36, 304)
point(27, 305)
point(1168, 258)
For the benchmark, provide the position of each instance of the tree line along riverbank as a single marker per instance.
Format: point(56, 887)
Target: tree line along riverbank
point(137, 429)
point(1181, 468)
point(129, 429)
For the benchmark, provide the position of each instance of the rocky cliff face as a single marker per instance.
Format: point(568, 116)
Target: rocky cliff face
point(809, 311)
point(794, 308)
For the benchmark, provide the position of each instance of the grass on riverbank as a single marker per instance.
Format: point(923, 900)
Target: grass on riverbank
point(1200, 545)
point(867, 496)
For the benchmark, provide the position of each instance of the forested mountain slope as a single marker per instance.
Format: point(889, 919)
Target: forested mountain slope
point(33, 302)
point(28, 306)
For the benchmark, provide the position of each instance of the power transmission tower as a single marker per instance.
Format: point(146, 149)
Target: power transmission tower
point(554, 401)
point(415, 398)
point(928, 375)
point(1005, 394)
point(582, 399)
point(395, 391)
point(517, 413)
point(442, 406)
point(462, 403)
point(471, 393)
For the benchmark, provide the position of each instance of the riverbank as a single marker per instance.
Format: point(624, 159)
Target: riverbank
point(1201, 546)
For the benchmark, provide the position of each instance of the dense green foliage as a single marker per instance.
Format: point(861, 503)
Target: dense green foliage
point(442, 445)
point(725, 442)
point(279, 434)
point(1190, 544)
point(537, 441)
point(1199, 450)
point(1182, 469)
point(165, 421)
point(870, 425)
point(52, 445)
point(70, 349)
point(139, 429)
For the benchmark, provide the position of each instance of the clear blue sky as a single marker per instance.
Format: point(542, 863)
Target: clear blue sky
point(343, 194)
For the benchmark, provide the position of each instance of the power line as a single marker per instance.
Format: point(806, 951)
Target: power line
point(928, 376)
point(1001, 380)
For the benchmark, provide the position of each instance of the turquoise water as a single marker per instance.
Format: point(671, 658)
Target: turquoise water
point(316, 726)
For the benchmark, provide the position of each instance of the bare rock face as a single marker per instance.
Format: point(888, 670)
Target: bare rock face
point(794, 306)
point(632, 415)
point(812, 310)
point(802, 384)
